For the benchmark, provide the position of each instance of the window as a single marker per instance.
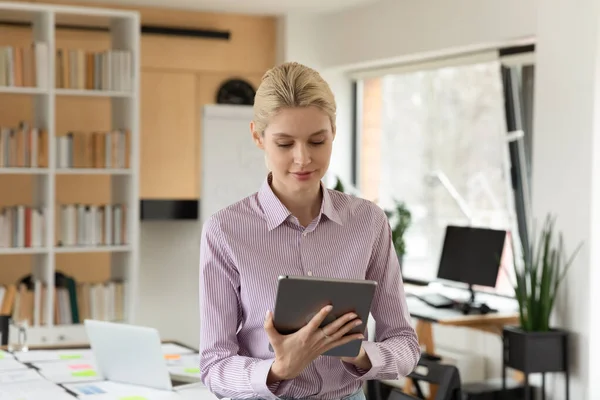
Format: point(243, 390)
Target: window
point(436, 139)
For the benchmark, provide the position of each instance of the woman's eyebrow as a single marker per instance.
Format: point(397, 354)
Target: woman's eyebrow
point(283, 134)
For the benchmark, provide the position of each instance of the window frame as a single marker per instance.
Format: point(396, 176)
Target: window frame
point(511, 58)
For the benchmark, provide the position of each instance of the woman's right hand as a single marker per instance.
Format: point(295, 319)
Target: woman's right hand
point(294, 352)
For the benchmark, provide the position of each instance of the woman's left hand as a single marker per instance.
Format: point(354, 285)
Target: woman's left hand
point(361, 361)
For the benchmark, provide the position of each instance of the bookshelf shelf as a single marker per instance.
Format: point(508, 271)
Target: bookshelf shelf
point(24, 171)
point(23, 250)
point(92, 249)
point(92, 171)
point(91, 93)
point(23, 90)
point(45, 80)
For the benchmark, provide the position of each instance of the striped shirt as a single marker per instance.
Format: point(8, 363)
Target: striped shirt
point(244, 249)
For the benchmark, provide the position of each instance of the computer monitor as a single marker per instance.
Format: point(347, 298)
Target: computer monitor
point(471, 255)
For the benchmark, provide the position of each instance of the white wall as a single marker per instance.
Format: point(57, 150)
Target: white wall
point(566, 168)
point(168, 285)
point(392, 29)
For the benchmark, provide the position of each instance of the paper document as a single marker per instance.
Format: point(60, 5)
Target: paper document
point(18, 376)
point(26, 385)
point(71, 371)
point(10, 364)
point(172, 348)
point(113, 390)
point(4, 355)
point(39, 396)
point(54, 355)
point(195, 392)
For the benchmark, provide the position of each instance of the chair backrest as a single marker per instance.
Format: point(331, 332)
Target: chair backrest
point(446, 377)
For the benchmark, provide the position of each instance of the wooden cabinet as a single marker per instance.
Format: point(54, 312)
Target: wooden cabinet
point(169, 136)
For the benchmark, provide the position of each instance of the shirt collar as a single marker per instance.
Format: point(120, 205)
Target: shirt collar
point(276, 213)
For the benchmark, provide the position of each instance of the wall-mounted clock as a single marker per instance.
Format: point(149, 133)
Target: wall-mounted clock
point(236, 91)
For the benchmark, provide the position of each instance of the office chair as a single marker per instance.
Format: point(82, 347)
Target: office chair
point(446, 377)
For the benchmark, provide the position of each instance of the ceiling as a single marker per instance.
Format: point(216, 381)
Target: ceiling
point(269, 7)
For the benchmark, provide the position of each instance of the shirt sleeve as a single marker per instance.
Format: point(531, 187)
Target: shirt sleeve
point(223, 371)
point(396, 351)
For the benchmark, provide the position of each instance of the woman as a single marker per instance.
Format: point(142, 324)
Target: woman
point(294, 225)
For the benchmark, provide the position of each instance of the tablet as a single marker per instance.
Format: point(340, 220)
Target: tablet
point(299, 298)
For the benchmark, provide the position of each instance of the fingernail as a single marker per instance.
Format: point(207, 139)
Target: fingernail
point(267, 314)
point(357, 323)
point(329, 308)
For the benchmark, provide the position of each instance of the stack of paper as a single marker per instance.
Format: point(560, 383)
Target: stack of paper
point(54, 355)
point(108, 390)
point(69, 371)
point(184, 367)
point(8, 362)
point(28, 384)
point(183, 363)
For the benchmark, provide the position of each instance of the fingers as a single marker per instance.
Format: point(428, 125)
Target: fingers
point(346, 328)
point(344, 340)
point(332, 328)
point(316, 321)
point(269, 326)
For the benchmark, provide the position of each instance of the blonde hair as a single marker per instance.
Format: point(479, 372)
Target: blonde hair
point(291, 85)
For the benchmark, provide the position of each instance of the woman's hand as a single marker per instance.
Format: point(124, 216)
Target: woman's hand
point(294, 352)
point(361, 361)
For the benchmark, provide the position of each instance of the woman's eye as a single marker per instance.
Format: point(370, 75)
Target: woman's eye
point(317, 143)
point(284, 144)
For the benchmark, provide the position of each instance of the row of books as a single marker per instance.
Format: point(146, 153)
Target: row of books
point(73, 301)
point(24, 66)
point(22, 226)
point(104, 70)
point(92, 225)
point(24, 146)
point(94, 149)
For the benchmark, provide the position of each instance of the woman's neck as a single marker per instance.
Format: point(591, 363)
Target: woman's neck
point(305, 205)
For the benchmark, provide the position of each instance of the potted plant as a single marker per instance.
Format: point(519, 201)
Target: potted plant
point(400, 219)
point(535, 346)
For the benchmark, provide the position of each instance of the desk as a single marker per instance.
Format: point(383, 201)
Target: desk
point(184, 387)
point(426, 316)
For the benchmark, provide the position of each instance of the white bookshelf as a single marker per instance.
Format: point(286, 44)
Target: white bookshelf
point(124, 28)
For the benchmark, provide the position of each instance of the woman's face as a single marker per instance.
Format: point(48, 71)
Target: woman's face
point(297, 144)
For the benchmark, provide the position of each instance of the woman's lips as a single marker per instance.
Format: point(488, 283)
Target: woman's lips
point(302, 176)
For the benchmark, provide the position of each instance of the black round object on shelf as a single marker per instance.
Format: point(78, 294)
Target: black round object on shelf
point(236, 91)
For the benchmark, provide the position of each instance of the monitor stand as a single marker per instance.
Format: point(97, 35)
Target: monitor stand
point(471, 306)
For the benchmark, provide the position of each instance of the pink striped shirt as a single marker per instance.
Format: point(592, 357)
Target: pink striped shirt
point(247, 245)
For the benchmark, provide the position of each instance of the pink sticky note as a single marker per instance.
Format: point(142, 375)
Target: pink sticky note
point(80, 366)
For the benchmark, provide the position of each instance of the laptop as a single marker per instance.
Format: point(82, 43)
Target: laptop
point(129, 354)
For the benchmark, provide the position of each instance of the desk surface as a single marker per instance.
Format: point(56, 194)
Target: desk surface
point(505, 314)
point(442, 316)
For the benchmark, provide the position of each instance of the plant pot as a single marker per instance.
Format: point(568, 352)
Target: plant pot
point(533, 352)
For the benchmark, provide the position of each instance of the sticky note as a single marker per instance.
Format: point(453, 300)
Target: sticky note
point(80, 366)
point(192, 370)
point(88, 372)
point(69, 356)
point(172, 356)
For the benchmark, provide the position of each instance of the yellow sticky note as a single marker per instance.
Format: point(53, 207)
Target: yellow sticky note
point(89, 372)
point(69, 356)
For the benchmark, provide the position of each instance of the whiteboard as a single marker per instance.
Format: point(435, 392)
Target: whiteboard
point(232, 166)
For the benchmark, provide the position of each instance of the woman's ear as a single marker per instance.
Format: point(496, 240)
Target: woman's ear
point(256, 136)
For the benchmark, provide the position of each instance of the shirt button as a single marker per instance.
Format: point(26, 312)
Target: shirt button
point(304, 233)
point(309, 273)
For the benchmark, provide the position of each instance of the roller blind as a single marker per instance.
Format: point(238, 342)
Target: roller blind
point(526, 58)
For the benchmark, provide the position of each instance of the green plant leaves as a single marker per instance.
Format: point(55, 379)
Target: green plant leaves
point(537, 282)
